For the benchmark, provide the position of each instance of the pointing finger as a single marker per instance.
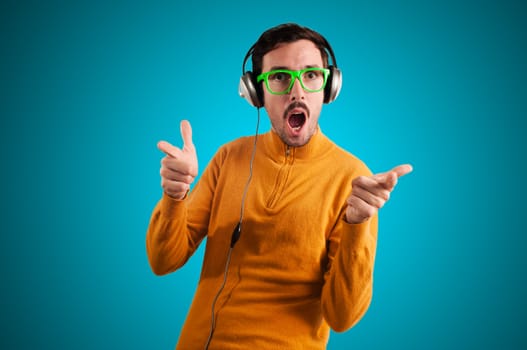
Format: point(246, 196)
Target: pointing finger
point(403, 169)
point(389, 179)
point(168, 149)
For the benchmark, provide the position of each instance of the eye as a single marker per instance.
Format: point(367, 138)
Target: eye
point(312, 74)
point(279, 76)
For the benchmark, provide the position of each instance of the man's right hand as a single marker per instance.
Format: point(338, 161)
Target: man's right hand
point(180, 166)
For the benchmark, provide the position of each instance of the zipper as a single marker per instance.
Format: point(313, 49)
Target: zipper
point(281, 178)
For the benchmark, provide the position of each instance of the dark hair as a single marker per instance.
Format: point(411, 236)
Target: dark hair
point(285, 33)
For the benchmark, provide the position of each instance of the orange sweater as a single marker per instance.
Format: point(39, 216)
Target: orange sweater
point(298, 267)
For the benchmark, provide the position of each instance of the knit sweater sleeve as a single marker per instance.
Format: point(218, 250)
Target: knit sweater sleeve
point(177, 227)
point(348, 281)
point(348, 286)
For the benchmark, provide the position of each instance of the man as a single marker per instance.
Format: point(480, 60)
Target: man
point(300, 260)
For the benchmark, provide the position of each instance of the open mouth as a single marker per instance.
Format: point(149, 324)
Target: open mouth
point(296, 121)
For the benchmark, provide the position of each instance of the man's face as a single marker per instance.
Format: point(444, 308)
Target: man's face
point(294, 116)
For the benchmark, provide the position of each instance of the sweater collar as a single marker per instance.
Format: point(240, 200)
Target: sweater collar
point(275, 148)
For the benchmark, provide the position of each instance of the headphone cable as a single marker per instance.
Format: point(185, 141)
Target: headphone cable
point(235, 236)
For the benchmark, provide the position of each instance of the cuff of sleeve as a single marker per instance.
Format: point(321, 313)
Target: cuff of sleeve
point(356, 228)
point(355, 233)
point(358, 244)
point(170, 206)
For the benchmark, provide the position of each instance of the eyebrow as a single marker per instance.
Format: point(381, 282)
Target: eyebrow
point(285, 67)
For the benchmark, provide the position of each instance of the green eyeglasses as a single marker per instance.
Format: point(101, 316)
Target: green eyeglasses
point(281, 81)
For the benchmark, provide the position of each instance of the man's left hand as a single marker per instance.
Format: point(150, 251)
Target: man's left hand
point(370, 193)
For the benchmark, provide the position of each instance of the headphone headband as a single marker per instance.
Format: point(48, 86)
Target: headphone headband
point(247, 55)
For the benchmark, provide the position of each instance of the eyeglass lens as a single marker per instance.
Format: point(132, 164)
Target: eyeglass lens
point(311, 80)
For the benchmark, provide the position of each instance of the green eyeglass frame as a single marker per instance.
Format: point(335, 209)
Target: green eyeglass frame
point(295, 75)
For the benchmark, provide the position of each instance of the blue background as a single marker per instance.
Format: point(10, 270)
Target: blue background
point(88, 88)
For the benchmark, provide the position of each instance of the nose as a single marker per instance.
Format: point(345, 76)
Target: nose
point(297, 92)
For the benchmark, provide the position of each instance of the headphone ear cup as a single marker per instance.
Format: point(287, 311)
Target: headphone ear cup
point(333, 85)
point(247, 90)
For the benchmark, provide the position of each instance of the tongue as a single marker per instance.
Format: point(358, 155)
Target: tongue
point(296, 120)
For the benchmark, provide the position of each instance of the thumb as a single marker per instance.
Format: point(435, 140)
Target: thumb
point(390, 180)
point(186, 134)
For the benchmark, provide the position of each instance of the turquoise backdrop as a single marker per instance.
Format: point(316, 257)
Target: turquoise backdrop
point(89, 87)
